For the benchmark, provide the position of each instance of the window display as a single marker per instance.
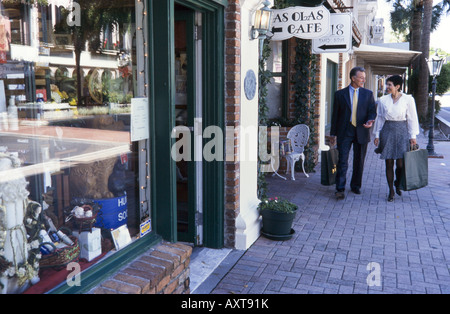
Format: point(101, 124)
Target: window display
point(73, 183)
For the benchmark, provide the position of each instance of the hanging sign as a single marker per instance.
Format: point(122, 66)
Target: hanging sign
point(339, 40)
point(300, 22)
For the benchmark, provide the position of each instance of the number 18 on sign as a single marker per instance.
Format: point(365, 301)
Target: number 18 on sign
point(339, 39)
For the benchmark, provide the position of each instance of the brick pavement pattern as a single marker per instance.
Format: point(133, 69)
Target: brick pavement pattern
point(335, 241)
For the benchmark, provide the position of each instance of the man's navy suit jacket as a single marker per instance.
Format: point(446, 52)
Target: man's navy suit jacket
point(342, 112)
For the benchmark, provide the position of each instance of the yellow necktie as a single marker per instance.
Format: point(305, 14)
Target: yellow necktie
point(355, 108)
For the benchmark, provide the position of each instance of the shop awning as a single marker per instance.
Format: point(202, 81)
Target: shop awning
point(385, 60)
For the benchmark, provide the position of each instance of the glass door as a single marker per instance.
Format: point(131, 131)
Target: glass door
point(185, 111)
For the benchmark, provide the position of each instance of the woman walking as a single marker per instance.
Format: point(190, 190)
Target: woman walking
point(396, 128)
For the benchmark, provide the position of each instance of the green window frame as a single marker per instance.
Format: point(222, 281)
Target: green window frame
point(162, 204)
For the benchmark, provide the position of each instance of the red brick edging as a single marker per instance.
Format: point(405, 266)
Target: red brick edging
point(163, 270)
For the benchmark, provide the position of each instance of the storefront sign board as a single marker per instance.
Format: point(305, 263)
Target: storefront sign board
point(339, 40)
point(300, 22)
point(139, 119)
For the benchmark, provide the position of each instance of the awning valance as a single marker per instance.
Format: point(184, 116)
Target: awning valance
point(385, 60)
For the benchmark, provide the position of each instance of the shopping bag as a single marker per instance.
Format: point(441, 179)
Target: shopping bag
point(285, 147)
point(415, 170)
point(328, 166)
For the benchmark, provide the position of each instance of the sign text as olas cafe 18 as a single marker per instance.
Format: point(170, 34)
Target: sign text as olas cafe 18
point(301, 22)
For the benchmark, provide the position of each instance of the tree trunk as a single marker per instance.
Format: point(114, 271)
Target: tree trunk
point(415, 45)
point(79, 78)
point(79, 42)
point(416, 23)
point(422, 90)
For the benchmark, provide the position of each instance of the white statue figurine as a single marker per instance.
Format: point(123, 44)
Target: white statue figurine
point(13, 236)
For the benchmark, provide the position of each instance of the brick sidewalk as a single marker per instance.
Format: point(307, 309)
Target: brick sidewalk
point(335, 241)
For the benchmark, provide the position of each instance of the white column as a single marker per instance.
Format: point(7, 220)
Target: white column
point(248, 223)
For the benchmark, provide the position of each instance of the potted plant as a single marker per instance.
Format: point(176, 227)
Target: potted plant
point(277, 217)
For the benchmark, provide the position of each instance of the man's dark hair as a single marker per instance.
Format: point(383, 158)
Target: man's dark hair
point(356, 70)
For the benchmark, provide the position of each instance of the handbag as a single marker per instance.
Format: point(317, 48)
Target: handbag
point(329, 163)
point(415, 170)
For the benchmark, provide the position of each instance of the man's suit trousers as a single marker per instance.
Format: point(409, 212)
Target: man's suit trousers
point(359, 156)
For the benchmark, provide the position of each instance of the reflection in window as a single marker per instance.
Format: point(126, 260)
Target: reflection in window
point(276, 87)
point(69, 173)
point(14, 20)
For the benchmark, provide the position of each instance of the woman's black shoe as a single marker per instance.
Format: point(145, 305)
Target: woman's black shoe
point(397, 188)
point(391, 196)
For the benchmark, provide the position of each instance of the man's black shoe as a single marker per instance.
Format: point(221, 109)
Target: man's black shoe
point(356, 191)
point(340, 195)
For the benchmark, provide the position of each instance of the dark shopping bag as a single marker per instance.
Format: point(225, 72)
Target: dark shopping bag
point(329, 163)
point(415, 170)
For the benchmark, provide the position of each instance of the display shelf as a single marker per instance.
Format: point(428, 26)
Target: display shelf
point(47, 111)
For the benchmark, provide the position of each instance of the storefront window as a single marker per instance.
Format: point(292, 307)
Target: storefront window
point(276, 64)
point(74, 177)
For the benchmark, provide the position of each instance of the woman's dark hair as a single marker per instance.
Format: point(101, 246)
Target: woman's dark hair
point(396, 80)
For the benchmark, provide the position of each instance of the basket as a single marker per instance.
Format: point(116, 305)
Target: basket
point(60, 257)
point(86, 223)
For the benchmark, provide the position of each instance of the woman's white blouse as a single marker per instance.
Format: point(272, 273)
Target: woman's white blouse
point(403, 109)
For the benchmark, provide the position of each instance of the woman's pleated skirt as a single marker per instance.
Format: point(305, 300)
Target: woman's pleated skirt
point(394, 140)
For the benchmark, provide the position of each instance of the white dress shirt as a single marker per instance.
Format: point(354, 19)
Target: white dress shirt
point(403, 109)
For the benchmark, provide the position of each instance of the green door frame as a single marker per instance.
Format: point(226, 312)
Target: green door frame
point(162, 89)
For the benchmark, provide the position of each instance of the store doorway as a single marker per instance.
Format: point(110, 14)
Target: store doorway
point(204, 200)
point(187, 112)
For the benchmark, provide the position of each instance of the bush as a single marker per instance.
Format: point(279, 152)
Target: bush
point(443, 80)
point(278, 205)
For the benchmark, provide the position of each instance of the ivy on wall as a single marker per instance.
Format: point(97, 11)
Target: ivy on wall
point(264, 79)
point(264, 75)
point(304, 96)
point(263, 109)
point(303, 82)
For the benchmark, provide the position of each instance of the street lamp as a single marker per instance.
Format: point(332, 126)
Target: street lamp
point(261, 24)
point(434, 67)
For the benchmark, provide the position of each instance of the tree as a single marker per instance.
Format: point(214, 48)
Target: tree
point(415, 20)
point(96, 17)
point(443, 81)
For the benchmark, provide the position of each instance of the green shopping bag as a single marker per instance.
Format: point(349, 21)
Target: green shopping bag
point(415, 170)
point(329, 166)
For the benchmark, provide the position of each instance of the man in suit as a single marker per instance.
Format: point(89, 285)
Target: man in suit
point(354, 112)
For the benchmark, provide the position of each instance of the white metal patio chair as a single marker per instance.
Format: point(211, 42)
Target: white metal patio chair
point(299, 136)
